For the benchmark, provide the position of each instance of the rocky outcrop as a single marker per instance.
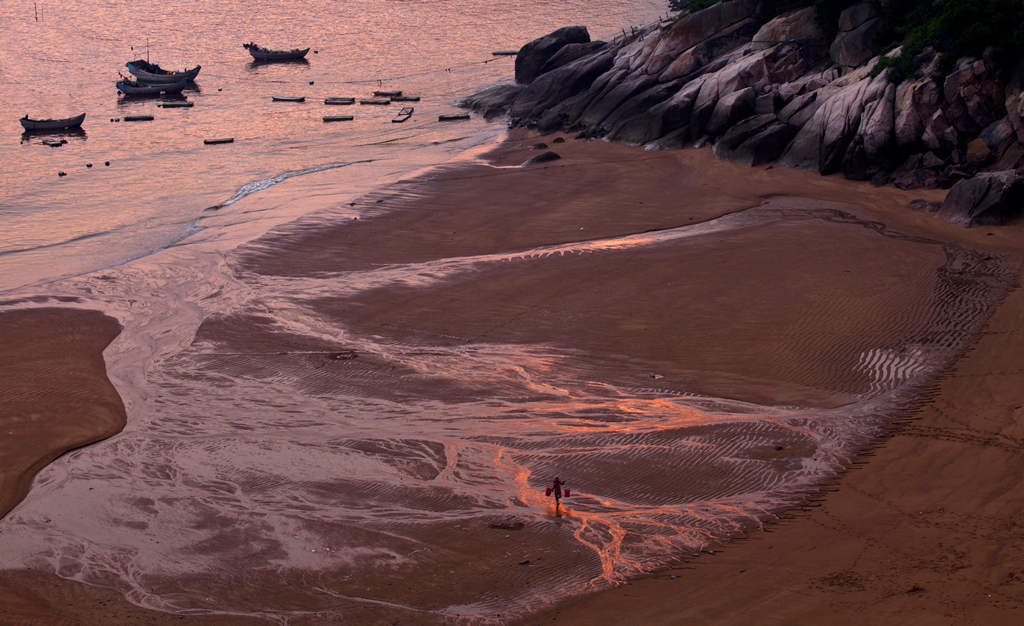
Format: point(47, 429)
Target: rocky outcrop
point(761, 90)
point(989, 198)
point(857, 41)
point(533, 56)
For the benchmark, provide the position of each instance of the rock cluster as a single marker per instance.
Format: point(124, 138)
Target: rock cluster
point(762, 90)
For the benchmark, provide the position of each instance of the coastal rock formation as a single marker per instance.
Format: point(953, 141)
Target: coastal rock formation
point(988, 198)
point(762, 88)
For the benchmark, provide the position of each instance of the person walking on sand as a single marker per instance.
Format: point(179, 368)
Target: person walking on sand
point(556, 490)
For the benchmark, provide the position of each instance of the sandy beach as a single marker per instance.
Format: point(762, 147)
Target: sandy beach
point(833, 322)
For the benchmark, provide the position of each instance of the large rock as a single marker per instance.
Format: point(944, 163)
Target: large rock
point(561, 84)
point(534, 55)
point(1015, 102)
point(571, 52)
point(821, 144)
point(670, 116)
point(916, 102)
point(973, 96)
point(858, 38)
point(799, 27)
point(730, 109)
point(690, 30)
point(754, 141)
point(697, 57)
point(988, 198)
point(492, 101)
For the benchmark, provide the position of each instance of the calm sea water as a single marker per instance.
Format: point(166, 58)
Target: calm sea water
point(60, 59)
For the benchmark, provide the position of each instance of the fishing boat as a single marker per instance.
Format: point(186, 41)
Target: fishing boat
point(288, 98)
point(405, 98)
point(453, 117)
point(387, 94)
point(211, 142)
point(147, 72)
point(54, 124)
point(403, 115)
point(375, 101)
point(337, 118)
point(339, 100)
point(137, 88)
point(266, 54)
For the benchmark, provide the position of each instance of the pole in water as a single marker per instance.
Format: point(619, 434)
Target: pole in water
point(35, 7)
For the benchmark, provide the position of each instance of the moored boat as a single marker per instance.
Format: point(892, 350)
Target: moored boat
point(266, 54)
point(387, 94)
point(137, 88)
point(52, 124)
point(405, 98)
point(288, 98)
point(337, 118)
point(147, 72)
point(339, 100)
point(453, 117)
point(404, 114)
point(375, 101)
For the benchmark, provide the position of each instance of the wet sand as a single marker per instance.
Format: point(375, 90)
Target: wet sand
point(787, 309)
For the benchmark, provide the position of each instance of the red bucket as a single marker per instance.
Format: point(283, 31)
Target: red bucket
point(547, 491)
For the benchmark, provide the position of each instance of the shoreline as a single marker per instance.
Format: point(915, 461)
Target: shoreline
point(514, 151)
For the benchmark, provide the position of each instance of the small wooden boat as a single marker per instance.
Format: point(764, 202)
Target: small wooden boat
point(387, 94)
point(221, 140)
point(288, 98)
point(453, 117)
point(54, 124)
point(266, 54)
point(54, 143)
point(375, 101)
point(403, 115)
point(136, 88)
point(505, 53)
point(405, 99)
point(147, 72)
point(337, 118)
point(339, 100)
point(138, 118)
point(176, 105)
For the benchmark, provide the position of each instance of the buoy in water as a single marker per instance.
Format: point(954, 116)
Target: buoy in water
point(62, 173)
point(88, 164)
point(107, 163)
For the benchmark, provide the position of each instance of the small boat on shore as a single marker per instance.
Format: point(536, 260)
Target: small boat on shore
point(405, 98)
point(140, 89)
point(375, 101)
point(403, 115)
point(147, 72)
point(266, 54)
point(288, 98)
point(339, 100)
point(453, 117)
point(52, 124)
point(338, 118)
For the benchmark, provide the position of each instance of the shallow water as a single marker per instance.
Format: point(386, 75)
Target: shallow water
point(276, 462)
point(161, 176)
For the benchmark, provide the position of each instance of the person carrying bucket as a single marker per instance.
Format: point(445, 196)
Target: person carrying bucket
point(556, 490)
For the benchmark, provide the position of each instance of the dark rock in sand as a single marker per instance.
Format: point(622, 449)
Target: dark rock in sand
point(534, 55)
point(569, 53)
point(558, 140)
point(543, 157)
point(559, 85)
point(988, 198)
point(539, 146)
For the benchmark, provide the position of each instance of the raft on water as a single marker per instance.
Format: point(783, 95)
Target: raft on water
point(453, 117)
point(138, 118)
point(337, 118)
point(375, 101)
point(387, 94)
point(176, 105)
point(288, 98)
point(405, 98)
point(339, 100)
point(505, 53)
point(222, 140)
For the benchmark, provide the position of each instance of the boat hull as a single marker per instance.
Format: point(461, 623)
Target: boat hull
point(55, 124)
point(169, 78)
point(141, 90)
point(264, 55)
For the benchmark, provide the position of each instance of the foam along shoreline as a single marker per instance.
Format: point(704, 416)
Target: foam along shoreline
point(763, 312)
